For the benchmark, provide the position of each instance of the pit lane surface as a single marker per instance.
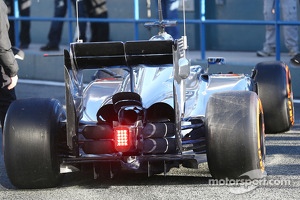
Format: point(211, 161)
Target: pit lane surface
point(282, 165)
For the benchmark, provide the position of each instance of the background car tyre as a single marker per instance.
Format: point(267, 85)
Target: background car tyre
point(30, 151)
point(235, 135)
point(274, 88)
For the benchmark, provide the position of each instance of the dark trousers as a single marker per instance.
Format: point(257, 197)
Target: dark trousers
point(25, 24)
point(6, 96)
point(55, 32)
point(100, 30)
point(169, 14)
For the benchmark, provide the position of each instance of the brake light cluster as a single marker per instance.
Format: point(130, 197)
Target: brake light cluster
point(122, 138)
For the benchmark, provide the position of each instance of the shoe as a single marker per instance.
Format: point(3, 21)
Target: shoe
point(49, 48)
point(263, 53)
point(292, 53)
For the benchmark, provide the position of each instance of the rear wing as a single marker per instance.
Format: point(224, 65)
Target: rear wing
point(93, 55)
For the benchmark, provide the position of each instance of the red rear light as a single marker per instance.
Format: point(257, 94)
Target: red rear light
point(122, 138)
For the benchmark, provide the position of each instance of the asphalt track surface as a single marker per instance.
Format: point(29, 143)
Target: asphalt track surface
point(282, 166)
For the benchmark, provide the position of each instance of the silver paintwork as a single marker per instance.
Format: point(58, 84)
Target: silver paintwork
point(186, 91)
point(155, 84)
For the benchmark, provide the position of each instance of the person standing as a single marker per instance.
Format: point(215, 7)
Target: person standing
point(8, 64)
point(24, 9)
point(55, 32)
point(99, 30)
point(290, 33)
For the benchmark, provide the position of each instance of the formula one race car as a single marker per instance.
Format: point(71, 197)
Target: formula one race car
point(156, 111)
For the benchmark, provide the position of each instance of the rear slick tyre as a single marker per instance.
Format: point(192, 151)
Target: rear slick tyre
point(235, 135)
point(30, 135)
point(274, 88)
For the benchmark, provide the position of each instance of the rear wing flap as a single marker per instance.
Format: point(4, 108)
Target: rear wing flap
point(93, 55)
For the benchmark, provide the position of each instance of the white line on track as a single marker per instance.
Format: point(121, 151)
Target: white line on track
point(41, 82)
point(296, 100)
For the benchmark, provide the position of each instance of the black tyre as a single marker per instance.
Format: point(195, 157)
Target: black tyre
point(30, 149)
point(274, 89)
point(235, 135)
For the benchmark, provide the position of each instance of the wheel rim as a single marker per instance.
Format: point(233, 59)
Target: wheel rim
point(289, 95)
point(261, 137)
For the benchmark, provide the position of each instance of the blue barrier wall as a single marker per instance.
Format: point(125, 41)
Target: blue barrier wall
point(122, 10)
point(231, 25)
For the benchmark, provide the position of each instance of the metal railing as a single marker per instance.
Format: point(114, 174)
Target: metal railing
point(201, 21)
